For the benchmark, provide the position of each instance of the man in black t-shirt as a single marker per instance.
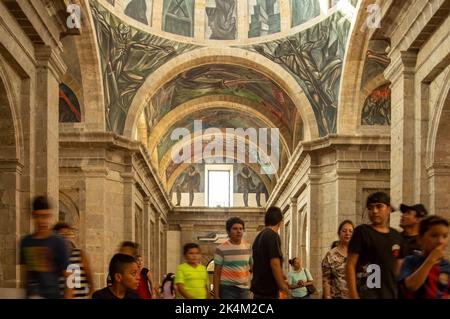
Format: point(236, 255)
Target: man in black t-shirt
point(268, 277)
point(410, 220)
point(374, 253)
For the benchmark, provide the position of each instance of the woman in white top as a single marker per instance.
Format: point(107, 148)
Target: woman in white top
point(298, 279)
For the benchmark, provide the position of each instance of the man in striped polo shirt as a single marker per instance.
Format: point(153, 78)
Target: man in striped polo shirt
point(232, 264)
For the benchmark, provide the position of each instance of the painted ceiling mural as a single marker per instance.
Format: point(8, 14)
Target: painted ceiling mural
point(178, 17)
point(376, 60)
point(304, 10)
point(213, 118)
point(128, 56)
point(221, 19)
point(314, 57)
point(170, 167)
point(222, 79)
point(139, 10)
point(69, 107)
point(245, 181)
point(264, 17)
point(377, 107)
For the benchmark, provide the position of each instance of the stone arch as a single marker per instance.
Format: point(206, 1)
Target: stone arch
point(438, 153)
point(69, 213)
point(352, 71)
point(10, 117)
point(92, 83)
point(11, 157)
point(232, 56)
point(205, 103)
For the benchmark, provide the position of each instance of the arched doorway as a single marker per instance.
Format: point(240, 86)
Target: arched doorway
point(9, 180)
point(439, 170)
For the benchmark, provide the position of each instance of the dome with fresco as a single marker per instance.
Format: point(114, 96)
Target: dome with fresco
point(233, 21)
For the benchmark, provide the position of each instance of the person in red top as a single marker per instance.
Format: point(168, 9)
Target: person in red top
point(145, 288)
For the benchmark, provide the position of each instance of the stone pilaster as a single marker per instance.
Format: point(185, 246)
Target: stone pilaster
point(49, 71)
point(128, 209)
point(295, 232)
point(98, 241)
point(401, 75)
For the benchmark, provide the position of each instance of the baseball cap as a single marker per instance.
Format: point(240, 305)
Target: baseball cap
point(420, 210)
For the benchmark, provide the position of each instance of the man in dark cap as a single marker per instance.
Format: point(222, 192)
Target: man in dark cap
point(409, 222)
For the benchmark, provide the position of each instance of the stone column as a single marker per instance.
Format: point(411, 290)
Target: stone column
point(49, 71)
point(346, 196)
point(173, 248)
point(295, 232)
point(157, 245)
point(163, 256)
point(98, 235)
point(128, 209)
point(401, 74)
point(314, 224)
point(147, 233)
point(10, 172)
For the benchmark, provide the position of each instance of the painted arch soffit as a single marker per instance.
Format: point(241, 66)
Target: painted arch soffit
point(221, 119)
point(221, 113)
point(212, 80)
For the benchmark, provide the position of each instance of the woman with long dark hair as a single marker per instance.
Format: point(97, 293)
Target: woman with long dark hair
point(333, 264)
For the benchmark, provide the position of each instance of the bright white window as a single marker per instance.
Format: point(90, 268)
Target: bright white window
point(219, 185)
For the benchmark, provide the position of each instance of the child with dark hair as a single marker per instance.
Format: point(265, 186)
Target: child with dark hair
point(124, 274)
point(167, 286)
point(191, 277)
point(375, 246)
point(129, 248)
point(77, 259)
point(427, 276)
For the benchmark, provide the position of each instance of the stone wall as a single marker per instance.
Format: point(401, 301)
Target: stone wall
point(111, 184)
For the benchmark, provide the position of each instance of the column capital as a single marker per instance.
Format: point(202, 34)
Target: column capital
point(401, 62)
point(186, 227)
point(293, 201)
point(47, 57)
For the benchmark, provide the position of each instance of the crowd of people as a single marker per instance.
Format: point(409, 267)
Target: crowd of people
point(370, 261)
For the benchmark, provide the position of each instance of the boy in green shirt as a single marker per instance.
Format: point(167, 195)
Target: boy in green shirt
point(191, 278)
